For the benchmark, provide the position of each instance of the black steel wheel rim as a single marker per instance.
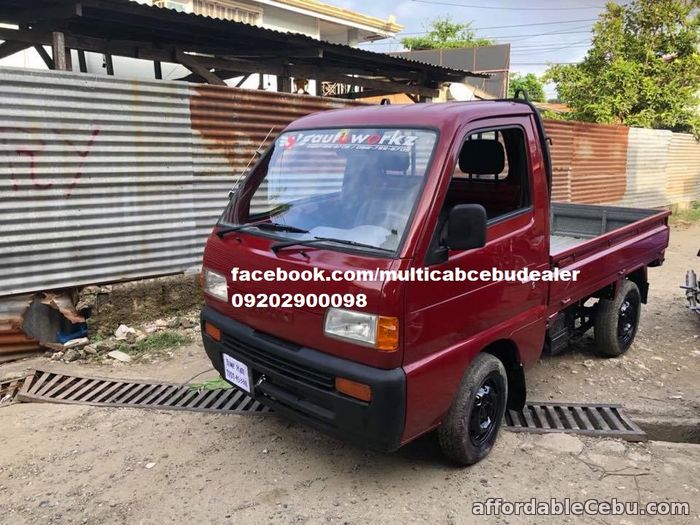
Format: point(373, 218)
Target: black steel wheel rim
point(627, 321)
point(483, 417)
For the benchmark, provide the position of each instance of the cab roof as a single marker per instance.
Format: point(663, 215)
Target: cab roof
point(436, 115)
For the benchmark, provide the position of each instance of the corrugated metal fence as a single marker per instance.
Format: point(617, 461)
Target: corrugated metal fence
point(105, 179)
point(598, 164)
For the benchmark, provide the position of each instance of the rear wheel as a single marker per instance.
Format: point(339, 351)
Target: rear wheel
point(471, 426)
point(617, 320)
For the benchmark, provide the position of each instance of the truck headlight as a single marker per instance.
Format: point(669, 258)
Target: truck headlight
point(371, 330)
point(215, 284)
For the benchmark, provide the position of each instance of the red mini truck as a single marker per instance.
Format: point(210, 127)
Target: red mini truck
point(414, 189)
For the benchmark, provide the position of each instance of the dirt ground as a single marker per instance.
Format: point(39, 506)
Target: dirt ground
point(74, 464)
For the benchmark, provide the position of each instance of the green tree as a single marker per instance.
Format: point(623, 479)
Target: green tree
point(530, 83)
point(643, 68)
point(445, 34)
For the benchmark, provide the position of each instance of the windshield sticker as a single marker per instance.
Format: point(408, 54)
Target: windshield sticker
point(394, 140)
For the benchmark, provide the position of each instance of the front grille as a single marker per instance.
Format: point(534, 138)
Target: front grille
point(268, 363)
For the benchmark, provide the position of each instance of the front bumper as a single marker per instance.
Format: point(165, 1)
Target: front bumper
point(299, 383)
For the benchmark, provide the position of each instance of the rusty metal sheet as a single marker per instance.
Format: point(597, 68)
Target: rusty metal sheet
point(229, 125)
point(13, 340)
point(598, 170)
point(647, 158)
point(683, 169)
point(116, 180)
point(562, 151)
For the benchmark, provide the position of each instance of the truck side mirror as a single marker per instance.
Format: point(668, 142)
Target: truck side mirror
point(466, 227)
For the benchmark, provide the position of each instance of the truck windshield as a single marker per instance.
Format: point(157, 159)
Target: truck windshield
point(356, 184)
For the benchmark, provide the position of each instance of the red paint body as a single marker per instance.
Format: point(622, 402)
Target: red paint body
point(443, 325)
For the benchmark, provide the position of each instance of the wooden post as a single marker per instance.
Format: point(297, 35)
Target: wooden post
point(284, 84)
point(261, 81)
point(157, 70)
point(69, 60)
point(109, 64)
point(59, 51)
point(81, 61)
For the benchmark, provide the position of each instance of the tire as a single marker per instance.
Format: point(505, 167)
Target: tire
point(464, 439)
point(617, 320)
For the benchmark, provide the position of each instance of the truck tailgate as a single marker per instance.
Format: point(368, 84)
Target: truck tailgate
point(604, 243)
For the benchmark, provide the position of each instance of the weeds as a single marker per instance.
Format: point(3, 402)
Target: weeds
point(212, 384)
point(690, 215)
point(155, 344)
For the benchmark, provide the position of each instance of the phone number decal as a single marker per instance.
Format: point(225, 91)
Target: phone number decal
point(298, 300)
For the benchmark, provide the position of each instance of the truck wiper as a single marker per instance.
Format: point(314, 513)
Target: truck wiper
point(263, 226)
point(303, 242)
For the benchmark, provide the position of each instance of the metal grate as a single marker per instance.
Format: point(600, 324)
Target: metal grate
point(9, 390)
point(42, 386)
point(576, 418)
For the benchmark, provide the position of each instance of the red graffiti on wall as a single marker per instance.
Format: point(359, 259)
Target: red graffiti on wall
point(34, 146)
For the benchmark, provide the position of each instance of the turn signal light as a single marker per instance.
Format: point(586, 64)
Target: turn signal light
point(353, 389)
point(213, 331)
point(387, 334)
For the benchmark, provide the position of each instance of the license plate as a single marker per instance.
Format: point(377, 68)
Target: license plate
point(237, 373)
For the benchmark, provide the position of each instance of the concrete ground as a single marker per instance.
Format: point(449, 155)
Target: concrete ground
point(75, 464)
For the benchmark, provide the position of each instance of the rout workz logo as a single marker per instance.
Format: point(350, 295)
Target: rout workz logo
point(391, 140)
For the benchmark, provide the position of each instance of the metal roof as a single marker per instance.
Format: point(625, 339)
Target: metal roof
point(125, 28)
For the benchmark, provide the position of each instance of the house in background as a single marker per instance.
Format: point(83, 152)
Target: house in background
point(308, 17)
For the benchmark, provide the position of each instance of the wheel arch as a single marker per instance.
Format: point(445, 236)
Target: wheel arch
point(507, 352)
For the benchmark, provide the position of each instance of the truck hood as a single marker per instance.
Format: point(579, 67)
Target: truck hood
point(304, 326)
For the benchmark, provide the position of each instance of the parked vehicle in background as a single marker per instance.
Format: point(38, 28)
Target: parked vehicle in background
point(441, 187)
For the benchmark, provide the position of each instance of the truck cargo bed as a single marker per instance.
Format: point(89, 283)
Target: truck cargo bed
point(574, 224)
point(604, 243)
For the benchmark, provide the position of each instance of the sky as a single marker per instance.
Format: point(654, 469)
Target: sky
point(548, 31)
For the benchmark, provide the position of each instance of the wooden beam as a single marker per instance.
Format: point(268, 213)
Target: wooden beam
point(109, 64)
point(69, 60)
point(44, 56)
point(81, 61)
point(10, 48)
point(43, 14)
point(206, 64)
point(242, 81)
point(284, 84)
point(59, 51)
point(193, 64)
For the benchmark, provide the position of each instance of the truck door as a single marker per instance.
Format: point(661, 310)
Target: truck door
point(496, 164)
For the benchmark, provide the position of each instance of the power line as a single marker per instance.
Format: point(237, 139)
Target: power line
point(513, 26)
point(501, 36)
point(506, 8)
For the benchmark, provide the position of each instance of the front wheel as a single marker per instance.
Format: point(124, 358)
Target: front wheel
point(471, 426)
point(617, 320)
